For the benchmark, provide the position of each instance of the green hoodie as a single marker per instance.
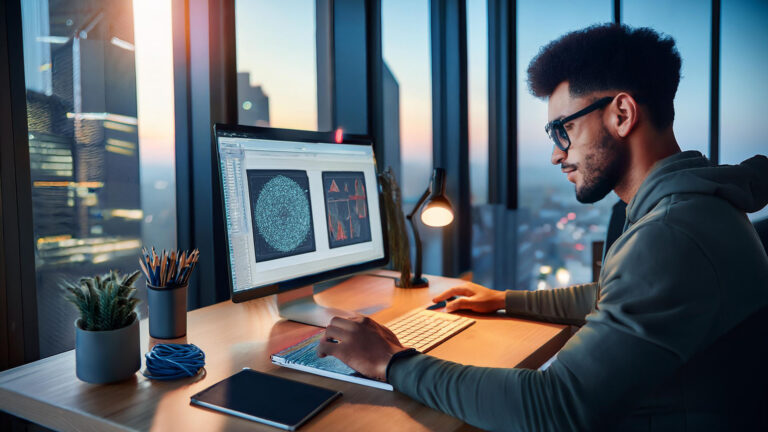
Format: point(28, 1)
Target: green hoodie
point(675, 332)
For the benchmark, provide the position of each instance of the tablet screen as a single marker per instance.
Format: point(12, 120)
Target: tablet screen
point(265, 398)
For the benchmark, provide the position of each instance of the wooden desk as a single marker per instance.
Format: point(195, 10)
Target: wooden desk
point(235, 336)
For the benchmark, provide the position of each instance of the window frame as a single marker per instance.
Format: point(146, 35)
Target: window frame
point(19, 342)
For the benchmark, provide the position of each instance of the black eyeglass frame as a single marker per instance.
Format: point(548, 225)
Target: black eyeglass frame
point(557, 126)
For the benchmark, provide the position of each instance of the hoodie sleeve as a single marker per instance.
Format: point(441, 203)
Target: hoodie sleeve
point(568, 305)
point(657, 308)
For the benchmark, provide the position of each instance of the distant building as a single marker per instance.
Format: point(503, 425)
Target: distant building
point(391, 94)
point(252, 102)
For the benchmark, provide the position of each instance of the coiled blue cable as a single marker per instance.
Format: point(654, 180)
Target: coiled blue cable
point(173, 361)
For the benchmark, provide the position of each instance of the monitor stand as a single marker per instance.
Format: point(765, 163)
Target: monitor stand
point(299, 305)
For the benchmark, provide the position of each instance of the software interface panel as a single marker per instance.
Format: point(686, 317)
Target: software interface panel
point(295, 209)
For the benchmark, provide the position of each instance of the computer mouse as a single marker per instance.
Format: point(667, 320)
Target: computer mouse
point(441, 304)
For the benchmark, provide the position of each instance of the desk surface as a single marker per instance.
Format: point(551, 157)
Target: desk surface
point(234, 336)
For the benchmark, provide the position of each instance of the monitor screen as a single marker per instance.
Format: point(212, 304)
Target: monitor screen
point(298, 208)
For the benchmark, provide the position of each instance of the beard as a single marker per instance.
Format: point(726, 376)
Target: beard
point(602, 169)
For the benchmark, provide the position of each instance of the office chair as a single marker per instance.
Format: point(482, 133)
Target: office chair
point(761, 227)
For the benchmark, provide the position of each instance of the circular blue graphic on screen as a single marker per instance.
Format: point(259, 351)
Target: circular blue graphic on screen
point(282, 214)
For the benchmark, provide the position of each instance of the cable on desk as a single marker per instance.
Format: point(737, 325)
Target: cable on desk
point(173, 361)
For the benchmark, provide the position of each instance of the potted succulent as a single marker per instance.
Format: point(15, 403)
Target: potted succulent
point(107, 347)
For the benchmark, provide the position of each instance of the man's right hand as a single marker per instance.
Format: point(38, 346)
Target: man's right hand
point(475, 297)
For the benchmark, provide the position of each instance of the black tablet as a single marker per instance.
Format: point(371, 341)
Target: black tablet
point(265, 398)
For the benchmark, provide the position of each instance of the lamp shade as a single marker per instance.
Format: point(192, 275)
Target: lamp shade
point(437, 212)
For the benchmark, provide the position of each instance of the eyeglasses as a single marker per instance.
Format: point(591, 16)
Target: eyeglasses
point(556, 128)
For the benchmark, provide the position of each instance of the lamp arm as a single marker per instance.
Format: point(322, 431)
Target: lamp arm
point(416, 237)
point(418, 204)
point(417, 242)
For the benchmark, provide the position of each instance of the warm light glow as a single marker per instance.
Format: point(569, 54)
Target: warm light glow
point(134, 214)
point(541, 285)
point(91, 185)
point(563, 276)
point(51, 239)
point(118, 150)
point(436, 216)
point(119, 127)
point(545, 269)
point(571, 216)
point(339, 136)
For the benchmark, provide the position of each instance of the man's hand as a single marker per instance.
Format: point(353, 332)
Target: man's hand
point(476, 297)
point(363, 344)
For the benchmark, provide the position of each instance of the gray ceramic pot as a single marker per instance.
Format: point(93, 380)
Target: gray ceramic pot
point(103, 357)
point(167, 311)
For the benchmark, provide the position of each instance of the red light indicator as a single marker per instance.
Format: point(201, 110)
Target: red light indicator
point(571, 216)
point(339, 136)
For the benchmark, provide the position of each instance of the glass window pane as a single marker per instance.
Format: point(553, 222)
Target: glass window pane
point(743, 88)
point(477, 83)
point(554, 229)
point(276, 63)
point(692, 37)
point(477, 80)
point(406, 52)
point(101, 167)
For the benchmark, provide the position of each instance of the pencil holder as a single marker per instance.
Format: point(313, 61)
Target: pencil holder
point(167, 311)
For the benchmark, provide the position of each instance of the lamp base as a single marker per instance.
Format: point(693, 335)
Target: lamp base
point(421, 282)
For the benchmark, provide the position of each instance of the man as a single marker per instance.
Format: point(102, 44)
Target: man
point(675, 331)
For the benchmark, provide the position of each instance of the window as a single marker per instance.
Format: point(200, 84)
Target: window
point(276, 63)
point(100, 144)
point(406, 53)
point(743, 89)
point(555, 231)
point(692, 36)
point(477, 83)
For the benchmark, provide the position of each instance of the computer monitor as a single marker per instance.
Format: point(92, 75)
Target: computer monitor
point(299, 207)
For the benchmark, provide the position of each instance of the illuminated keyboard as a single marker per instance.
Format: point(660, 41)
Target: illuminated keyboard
point(425, 329)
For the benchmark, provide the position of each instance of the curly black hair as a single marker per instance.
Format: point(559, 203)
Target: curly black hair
point(612, 57)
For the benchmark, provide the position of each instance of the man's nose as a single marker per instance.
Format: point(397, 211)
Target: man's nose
point(557, 155)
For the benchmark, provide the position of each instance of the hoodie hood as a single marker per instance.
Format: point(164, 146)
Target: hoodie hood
point(745, 185)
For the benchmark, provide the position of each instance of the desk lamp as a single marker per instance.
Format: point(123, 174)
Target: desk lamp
point(437, 212)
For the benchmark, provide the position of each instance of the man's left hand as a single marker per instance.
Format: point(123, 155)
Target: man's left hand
point(363, 344)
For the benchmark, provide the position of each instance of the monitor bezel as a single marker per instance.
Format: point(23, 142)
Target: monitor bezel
point(277, 134)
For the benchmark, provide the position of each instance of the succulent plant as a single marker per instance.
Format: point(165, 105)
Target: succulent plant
point(105, 302)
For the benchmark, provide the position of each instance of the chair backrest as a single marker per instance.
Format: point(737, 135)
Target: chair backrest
point(761, 227)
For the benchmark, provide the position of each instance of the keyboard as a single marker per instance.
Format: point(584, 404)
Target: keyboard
point(425, 329)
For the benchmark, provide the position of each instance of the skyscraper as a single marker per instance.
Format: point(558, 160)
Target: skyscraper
point(252, 102)
point(391, 94)
point(84, 159)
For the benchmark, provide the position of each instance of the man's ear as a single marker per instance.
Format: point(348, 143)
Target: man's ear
point(624, 114)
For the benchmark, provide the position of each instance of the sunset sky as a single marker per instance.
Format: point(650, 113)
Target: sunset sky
point(276, 44)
